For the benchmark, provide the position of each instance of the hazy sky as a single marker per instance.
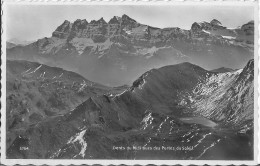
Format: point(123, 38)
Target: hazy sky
point(31, 22)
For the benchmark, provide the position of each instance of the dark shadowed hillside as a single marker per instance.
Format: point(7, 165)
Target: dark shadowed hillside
point(208, 114)
point(36, 92)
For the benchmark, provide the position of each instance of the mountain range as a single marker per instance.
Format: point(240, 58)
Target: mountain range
point(208, 113)
point(125, 90)
point(21, 42)
point(118, 51)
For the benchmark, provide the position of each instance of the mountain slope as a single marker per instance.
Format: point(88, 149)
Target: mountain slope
point(36, 92)
point(10, 45)
point(222, 70)
point(180, 105)
point(117, 51)
point(235, 106)
point(19, 41)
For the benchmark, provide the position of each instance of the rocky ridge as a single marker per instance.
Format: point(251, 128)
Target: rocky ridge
point(122, 46)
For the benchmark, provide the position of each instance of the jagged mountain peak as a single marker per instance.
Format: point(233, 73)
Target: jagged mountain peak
point(66, 22)
point(102, 21)
point(114, 20)
point(79, 24)
point(215, 22)
point(195, 26)
point(126, 17)
point(126, 36)
point(249, 66)
point(63, 30)
point(82, 21)
point(93, 22)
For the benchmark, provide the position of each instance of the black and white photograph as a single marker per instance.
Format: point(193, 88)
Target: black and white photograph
point(128, 82)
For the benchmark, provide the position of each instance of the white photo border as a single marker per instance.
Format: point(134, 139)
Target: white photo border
point(253, 3)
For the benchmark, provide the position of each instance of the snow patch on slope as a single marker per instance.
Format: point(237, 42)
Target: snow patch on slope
point(229, 37)
point(214, 82)
point(147, 120)
point(26, 72)
point(80, 138)
point(206, 31)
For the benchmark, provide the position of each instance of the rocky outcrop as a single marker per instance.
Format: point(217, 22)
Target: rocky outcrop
point(215, 22)
point(248, 28)
point(213, 25)
point(63, 30)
